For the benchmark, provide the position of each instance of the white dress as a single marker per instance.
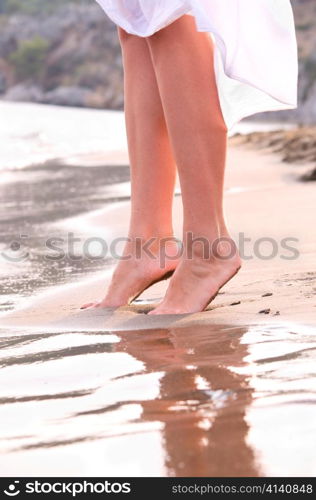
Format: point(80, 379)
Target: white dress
point(255, 57)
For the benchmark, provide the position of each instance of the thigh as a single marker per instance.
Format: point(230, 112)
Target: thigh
point(140, 83)
point(183, 60)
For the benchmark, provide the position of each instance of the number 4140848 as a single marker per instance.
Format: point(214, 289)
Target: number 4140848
point(289, 488)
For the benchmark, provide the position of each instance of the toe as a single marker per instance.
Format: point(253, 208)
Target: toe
point(159, 310)
point(152, 313)
point(89, 305)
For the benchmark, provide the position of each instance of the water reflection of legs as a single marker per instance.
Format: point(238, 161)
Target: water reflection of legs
point(202, 400)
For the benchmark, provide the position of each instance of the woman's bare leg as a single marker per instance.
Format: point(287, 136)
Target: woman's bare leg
point(152, 177)
point(183, 63)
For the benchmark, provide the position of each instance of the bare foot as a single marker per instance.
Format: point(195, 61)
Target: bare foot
point(196, 282)
point(133, 275)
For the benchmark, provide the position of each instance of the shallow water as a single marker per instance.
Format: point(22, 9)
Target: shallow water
point(34, 202)
point(34, 133)
point(212, 400)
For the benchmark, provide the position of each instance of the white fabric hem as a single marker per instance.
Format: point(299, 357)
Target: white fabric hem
point(267, 70)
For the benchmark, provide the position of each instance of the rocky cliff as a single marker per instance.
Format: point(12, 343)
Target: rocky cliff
point(66, 52)
point(67, 56)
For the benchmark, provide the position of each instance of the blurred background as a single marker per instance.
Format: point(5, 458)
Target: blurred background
point(66, 52)
point(63, 52)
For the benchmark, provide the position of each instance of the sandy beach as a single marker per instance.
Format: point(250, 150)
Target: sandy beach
point(205, 394)
point(259, 187)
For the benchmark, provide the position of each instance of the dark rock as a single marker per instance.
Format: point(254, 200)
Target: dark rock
point(309, 176)
point(83, 66)
point(265, 311)
point(24, 92)
point(67, 96)
point(268, 294)
point(3, 83)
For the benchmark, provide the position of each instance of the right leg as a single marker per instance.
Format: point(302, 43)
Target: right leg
point(183, 60)
point(153, 173)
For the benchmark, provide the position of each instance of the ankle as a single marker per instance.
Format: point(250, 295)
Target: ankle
point(209, 248)
point(159, 247)
point(158, 232)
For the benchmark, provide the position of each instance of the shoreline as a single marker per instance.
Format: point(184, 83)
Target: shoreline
point(80, 386)
point(295, 146)
point(261, 190)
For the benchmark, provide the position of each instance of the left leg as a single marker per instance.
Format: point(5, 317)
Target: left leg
point(153, 172)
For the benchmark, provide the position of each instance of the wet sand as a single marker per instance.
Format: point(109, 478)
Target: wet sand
point(35, 202)
point(180, 401)
point(272, 218)
point(227, 392)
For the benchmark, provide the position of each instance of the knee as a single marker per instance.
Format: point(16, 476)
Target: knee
point(180, 29)
point(123, 35)
point(157, 38)
point(218, 123)
point(157, 46)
